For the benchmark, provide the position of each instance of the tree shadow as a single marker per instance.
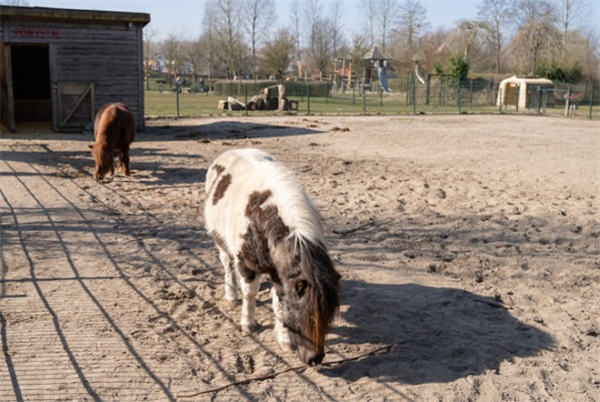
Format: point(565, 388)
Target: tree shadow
point(443, 333)
point(224, 130)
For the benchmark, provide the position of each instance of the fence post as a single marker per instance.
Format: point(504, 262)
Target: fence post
point(471, 92)
point(246, 98)
point(428, 89)
point(354, 91)
point(568, 101)
point(459, 96)
point(413, 94)
point(517, 98)
point(177, 89)
point(591, 99)
point(364, 99)
point(308, 96)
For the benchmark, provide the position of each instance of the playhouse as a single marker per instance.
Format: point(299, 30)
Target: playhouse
point(525, 88)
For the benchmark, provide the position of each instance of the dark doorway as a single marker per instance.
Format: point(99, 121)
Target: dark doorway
point(31, 82)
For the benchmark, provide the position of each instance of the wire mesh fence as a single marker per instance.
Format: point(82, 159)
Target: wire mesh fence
point(408, 95)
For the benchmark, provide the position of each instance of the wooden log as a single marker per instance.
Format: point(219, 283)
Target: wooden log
point(235, 104)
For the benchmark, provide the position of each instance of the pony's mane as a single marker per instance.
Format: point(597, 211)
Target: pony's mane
point(323, 300)
point(295, 208)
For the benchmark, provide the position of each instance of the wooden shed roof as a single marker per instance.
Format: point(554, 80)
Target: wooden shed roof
point(58, 14)
point(374, 54)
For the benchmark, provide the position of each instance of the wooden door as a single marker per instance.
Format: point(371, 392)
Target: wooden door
point(7, 101)
point(75, 105)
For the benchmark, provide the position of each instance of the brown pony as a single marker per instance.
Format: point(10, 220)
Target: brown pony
point(114, 131)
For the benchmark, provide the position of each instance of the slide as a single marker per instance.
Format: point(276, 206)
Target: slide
point(383, 79)
point(418, 75)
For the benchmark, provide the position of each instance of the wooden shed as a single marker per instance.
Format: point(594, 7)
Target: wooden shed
point(61, 65)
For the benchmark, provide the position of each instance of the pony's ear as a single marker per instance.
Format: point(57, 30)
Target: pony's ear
point(91, 146)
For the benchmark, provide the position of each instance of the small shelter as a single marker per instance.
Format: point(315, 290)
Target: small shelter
point(374, 59)
point(525, 88)
point(62, 65)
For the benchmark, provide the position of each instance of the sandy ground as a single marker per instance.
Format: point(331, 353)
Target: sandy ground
point(468, 245)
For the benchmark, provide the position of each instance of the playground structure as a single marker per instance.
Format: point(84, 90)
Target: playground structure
point(375, 59)
point(374, 63)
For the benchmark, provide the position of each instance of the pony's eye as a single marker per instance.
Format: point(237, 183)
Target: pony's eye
point(301, 287)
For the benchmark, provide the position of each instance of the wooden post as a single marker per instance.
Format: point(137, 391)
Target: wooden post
point(307, 97)
point(591, 100)
point(459, 96)
point(177, 89)
point(568, 101)
point(12, 125)
point(281, 89)
point(246, 98)
point(364, 99)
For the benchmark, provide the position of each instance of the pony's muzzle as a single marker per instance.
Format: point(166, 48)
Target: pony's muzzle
point(309, 357)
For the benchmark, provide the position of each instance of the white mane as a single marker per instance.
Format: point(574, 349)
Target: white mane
point(254, 170)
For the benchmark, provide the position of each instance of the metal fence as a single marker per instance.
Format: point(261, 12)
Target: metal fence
point(408, 95)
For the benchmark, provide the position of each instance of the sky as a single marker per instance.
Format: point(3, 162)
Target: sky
point(184, 17)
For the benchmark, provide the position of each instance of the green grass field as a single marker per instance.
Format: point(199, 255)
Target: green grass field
point(200, 104)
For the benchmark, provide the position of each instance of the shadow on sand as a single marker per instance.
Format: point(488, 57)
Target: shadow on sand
point(443, 334)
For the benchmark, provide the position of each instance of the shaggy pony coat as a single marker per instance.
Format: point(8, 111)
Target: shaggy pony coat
point(114, 131)
point(262, 222)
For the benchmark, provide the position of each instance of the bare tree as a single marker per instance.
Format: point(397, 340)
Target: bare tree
point(498, 14)
point(313, 14)
point(369, 7)
point(381, 17)
point(208, 42)
point(590, 52)
point(468, 32)
point(227, 30)
point(319, 40)
point(569, 12)
point(337, 34)
point(361, 44)
point(433, 49)
point(279, 53)
point(172, 56)
point(192, 52)
point(412, 22)
point(537, 31)
point(260, 16)
point(295, 16)
point(149, 52)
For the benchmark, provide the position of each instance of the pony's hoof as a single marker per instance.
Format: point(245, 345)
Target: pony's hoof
point(248, 328)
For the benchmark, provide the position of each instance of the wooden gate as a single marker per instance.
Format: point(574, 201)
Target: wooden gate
point(7, 103)
point(75, 105)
